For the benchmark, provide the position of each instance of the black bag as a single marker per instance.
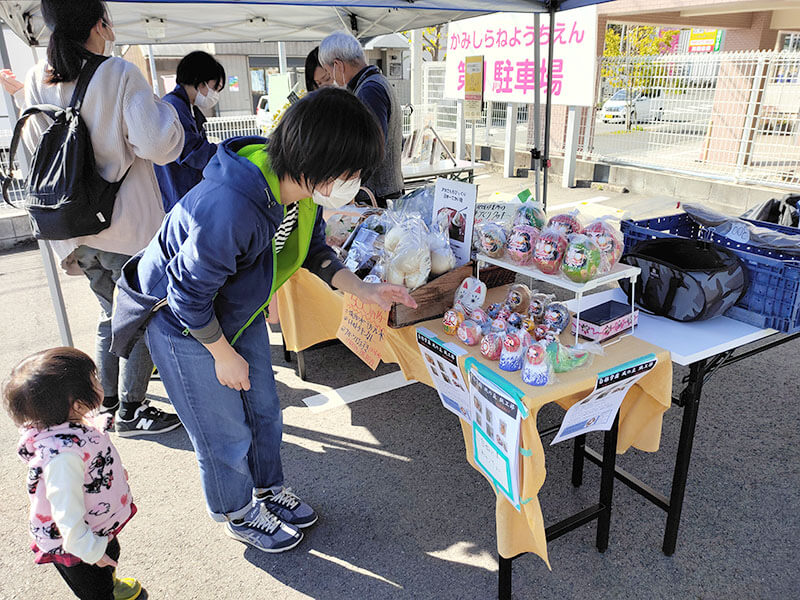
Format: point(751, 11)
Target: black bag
point(64, 194)
point(685, 280)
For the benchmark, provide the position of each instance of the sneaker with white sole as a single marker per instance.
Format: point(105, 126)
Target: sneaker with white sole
point(147, 420)
point(289, 508)
point(262, 529)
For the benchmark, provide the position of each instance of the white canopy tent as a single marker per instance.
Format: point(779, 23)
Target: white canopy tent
point(205, 21)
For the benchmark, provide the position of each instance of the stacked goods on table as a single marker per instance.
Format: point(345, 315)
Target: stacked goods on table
point(521, 333)
point(769, 254)
point(558, 245)
point(404, 245)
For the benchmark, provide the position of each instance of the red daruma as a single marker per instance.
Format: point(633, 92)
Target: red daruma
point(549, 251)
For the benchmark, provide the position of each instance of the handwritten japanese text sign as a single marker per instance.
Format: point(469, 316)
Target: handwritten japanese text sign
point(362, 329)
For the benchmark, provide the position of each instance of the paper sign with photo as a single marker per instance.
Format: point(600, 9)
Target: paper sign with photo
point(454, 209)
point(441, 359)
point(597, 411)
point(496, 420)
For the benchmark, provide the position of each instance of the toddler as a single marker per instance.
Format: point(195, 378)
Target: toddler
point(78, 488)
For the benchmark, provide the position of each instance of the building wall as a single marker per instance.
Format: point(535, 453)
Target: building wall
point(235, 103)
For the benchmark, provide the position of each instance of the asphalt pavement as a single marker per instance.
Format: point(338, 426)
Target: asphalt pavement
point(403, 515)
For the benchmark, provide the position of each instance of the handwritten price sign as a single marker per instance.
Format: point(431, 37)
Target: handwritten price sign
point(362, 329)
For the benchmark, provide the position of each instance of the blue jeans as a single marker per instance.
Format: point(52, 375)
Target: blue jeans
point(125, 378)
point(236, 435)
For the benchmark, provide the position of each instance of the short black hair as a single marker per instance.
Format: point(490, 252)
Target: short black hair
point(199, 67)
point(42, 388)
point(312, 62)
point(327, 134)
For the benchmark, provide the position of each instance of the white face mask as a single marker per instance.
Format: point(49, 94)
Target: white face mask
point(342, 192)
point(108, 45)
point(208, 100)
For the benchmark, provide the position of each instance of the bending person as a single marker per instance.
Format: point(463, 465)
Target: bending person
point(200, 79)
point(220, 255)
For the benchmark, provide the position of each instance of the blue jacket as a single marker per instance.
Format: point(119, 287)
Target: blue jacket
point(213, 254)
point(177, 178)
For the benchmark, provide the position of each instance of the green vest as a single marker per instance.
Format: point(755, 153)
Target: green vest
point(294, 251)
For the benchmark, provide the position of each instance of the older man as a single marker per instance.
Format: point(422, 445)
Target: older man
point(342, 56)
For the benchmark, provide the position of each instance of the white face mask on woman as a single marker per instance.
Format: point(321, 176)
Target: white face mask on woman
point(341, 193)
point(208, 100)
point(108, 45)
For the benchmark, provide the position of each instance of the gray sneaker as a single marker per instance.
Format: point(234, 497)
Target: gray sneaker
point(264, 530)
point(289, 508)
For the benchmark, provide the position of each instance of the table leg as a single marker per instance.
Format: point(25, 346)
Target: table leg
point(578, 454)
point(504, 579)
point(301, 365)
point(607, 484)
point(691, 399)
point(287, 356)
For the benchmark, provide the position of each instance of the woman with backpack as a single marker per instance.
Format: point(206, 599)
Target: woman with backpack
point(130, 129)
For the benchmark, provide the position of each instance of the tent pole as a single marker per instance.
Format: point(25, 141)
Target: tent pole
point(50, 270)
point(537, 112)
point(153, 73)
point(548, 106)
point(282, 65)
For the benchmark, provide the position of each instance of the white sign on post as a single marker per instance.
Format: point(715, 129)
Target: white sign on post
point(507, 42)
point(454, 210)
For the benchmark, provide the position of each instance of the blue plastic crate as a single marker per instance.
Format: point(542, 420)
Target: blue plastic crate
point(773, 291)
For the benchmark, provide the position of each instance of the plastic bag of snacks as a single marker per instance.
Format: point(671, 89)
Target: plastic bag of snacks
point(443, 259)
point(419, 202)
point(549, 250)
point(608, 239)
point(583, 259)
point(407, 253)
point(566, 358)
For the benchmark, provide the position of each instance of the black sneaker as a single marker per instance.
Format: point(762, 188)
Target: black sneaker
point(148, 420)
point(108, 415)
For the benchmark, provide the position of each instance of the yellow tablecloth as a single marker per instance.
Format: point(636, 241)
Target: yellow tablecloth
point(640, 414)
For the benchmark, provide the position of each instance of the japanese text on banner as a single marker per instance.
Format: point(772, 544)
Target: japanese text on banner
point(362, 329)
point(507, 42)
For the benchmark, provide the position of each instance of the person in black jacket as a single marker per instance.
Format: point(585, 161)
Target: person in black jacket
point(200, 78)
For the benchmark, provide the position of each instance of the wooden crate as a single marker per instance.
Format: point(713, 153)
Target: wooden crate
point(433, 299)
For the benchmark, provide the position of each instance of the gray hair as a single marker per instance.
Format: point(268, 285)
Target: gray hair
point(340, 45)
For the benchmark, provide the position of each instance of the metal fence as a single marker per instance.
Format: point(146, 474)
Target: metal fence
point(727, 116)
point(15, 188)
point(222, 128)
point(731, 116)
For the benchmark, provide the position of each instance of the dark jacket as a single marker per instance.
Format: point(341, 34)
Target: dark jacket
point(374, 90)
point(212, 257)
point(177, 178)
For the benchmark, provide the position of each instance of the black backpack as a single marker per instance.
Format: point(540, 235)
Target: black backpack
point(64, 194)
point(685, 280)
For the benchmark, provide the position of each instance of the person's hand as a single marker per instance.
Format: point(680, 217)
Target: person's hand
point(386, 294)
point(106, 561)
point(9, 81)
point(233, 371)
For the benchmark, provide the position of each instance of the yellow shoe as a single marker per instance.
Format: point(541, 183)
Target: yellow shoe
point(126, 588)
